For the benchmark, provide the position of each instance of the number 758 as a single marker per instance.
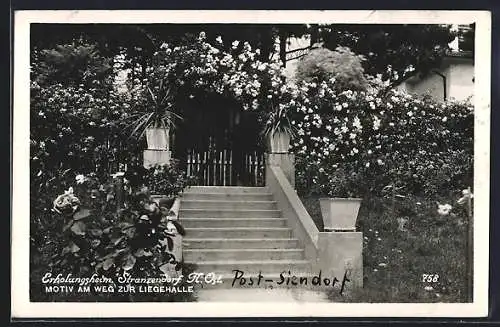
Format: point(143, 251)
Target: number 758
point(430, 278)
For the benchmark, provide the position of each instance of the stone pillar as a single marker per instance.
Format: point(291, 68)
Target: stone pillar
point(156, 157)
point(286, 161)
point(340, 255)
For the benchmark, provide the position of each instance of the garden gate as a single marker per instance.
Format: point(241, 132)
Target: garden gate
point(221, 146)
point(217, 167)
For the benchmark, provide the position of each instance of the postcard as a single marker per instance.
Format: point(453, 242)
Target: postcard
point(250, 163)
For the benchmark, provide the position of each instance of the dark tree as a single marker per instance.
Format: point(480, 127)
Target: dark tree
point(397, 52)
point(466, 38)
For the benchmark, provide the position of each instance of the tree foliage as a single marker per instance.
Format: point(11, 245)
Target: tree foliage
point(342, 64)
point(397, 52)
point(466, 38)
point(71, 64)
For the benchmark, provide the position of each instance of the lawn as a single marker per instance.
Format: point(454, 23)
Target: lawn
point(397, 254)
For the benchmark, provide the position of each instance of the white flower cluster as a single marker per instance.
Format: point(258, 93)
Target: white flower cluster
point(204, 65)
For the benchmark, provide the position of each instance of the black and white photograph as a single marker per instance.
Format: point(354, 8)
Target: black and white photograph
point(251, 163)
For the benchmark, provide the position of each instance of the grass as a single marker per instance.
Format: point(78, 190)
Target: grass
point(395, 257)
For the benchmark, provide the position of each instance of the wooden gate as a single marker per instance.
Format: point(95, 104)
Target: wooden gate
point(220, 144)
point(217, 168)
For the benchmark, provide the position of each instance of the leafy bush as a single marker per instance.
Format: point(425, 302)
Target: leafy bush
point(167, 180)
point(43, 188)
point(97, 238)
point(81, 231)
point(73, 63)
point(328, 180)
point(75, 111)
point(342, 64)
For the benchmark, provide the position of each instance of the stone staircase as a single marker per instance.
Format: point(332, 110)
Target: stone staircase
point(238, 228)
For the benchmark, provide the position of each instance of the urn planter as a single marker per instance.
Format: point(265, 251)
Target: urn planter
point(157, 138)
point(279, 142)
point(340, 214)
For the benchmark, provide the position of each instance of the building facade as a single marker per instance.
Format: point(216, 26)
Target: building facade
point(453, 80)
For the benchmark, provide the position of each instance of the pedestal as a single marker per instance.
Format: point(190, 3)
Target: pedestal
point(286, 161)
point(341, 254)
point(156, 157)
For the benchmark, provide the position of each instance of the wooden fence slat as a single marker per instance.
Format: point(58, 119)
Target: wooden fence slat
point(198, 163)
point(215, 167)
point(204, 165)
point(224, 158)
point(256, 168)
point(220, 169)
point(214, 164)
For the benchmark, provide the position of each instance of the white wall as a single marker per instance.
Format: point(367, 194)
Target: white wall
point(294, 43)
point(459, 74)
point(430, 85)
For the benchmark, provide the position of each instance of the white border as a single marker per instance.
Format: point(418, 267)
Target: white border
point(22, 308)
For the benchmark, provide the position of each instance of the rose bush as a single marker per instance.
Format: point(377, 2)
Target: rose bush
point(75, 109)
point(77, 124)
point(66, 203)
point(425, 146)
point(196, 68)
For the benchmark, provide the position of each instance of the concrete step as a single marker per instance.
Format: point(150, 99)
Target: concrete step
point(228, 196)
point(226, 189)
point(226, 267)
point(233, 222)
point(228, 213)
point(238, 232)
point(200, 255)
point(228, 205)
point(239, 243)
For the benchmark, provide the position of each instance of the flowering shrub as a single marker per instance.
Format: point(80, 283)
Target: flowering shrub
point(97, 238)
point(197, 67)
point(74, 128)
point(44, 185)
point(415, 142)
point(75, 111)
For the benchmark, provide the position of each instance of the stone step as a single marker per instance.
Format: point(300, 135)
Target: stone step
point(226, 189)
point(240, 243)
point(227, 267)
point(228, 213)
point(238, 232)
point(228, 196)
point(233, 222)
point(228, 205)
point(199, 255)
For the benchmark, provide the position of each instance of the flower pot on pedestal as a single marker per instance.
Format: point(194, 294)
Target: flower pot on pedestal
point(339, 214)
point(279, 142)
